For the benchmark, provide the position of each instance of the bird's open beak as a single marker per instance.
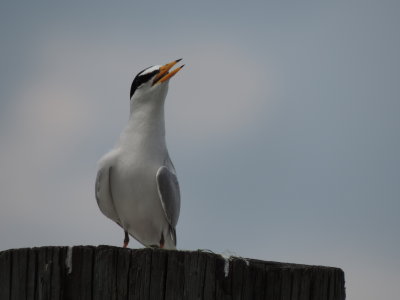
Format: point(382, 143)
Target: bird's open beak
point(164, 73)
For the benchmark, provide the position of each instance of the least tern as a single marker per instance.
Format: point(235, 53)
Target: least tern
point(136, 184)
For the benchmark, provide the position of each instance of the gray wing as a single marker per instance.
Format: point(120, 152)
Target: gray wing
point(168, 190)
point(104, 195)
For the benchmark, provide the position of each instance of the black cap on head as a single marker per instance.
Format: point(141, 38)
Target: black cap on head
point(141, 78)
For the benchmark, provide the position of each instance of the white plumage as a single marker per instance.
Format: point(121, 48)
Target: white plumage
point(136, 185)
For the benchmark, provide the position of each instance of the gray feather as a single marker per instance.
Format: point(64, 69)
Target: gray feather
point(168, 190)
point(104, 194)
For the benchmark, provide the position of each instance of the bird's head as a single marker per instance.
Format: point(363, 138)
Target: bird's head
point(153, 82)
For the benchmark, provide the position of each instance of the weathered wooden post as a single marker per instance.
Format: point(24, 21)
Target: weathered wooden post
point(104, 272)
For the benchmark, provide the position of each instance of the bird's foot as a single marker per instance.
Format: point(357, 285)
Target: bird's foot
point(126, 240)
point(162, 241)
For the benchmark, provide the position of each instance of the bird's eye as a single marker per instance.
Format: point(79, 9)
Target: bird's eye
point(141, 79)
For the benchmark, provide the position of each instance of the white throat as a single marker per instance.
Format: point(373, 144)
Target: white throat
point(146, 125)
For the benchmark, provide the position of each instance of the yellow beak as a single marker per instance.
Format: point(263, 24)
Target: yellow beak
point(164, 75)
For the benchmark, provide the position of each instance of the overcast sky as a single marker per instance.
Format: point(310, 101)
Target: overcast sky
point(284, 126)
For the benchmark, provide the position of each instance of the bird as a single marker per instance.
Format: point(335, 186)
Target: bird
point(136, 183)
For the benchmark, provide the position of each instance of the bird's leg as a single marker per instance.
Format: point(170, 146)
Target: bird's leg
point(162, 241)
point(126, 239)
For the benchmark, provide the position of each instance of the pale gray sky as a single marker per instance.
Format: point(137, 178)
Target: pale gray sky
point(284, 126)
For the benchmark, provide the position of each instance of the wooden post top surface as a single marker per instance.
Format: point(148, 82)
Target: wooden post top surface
point(106, 272)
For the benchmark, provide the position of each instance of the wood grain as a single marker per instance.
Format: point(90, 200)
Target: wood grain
point(107, 272)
